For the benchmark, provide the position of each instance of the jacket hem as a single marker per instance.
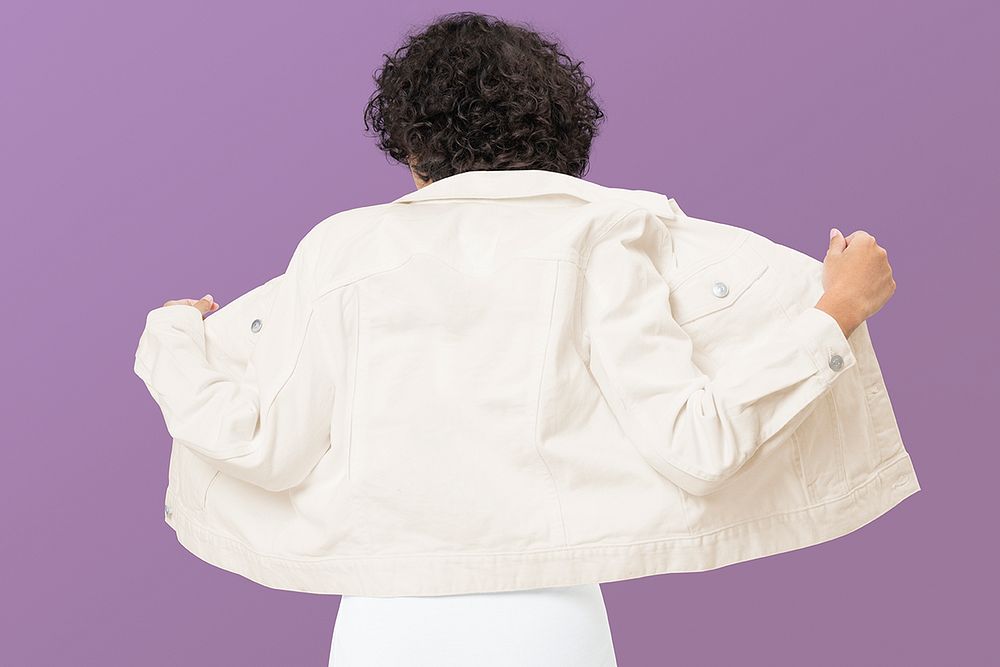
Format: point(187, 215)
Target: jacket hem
point(382, 575)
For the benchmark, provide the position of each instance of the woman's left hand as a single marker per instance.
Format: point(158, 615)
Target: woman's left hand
point(205, 304)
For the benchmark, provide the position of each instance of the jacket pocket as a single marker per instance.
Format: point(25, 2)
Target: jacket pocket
point(887, 439)
point(724, 299)
point(194, 478)
point(819, 444)
point(716, 283)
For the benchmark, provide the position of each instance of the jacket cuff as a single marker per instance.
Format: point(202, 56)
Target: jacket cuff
point(820, 336)
point(172, 327)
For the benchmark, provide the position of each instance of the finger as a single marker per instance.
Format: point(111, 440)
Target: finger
point(204, 304)
point(859, 234)
point(180, 302)
point(837, 241)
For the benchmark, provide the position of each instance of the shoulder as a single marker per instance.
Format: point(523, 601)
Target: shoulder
point(656, 203)
point(342, 224)
point(324, 242)
point(333, 230)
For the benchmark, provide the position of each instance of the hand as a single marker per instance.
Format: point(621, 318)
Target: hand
point(205, 304)
point(857, 278)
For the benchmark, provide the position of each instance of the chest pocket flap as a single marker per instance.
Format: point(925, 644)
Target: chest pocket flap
point(715, 283)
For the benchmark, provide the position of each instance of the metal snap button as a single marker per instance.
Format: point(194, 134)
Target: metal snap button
point(720, 289)
point(836, 362)
point(167, 511)
point(256, 325)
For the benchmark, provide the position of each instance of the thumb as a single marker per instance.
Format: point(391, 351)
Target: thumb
point(204, 304)
point(837, 241)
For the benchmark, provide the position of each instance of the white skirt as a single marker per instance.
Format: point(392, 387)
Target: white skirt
point(549, 627)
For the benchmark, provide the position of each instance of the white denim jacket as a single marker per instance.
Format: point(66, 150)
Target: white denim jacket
point(519, 379)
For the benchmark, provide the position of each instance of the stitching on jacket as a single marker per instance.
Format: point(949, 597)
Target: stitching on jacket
point(353, 486)
point(676, 283)
point(354, 378)
point(840, 433)
point(736, 291)
point(538, 401)
point(291, 371)
point(799, 456)
point(871, 479)
point(573, 259)
point(585, 259)
point(351, 281)
point(581, 337)
point(872, 449)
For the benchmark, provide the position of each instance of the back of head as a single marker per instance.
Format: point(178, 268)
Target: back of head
point(473, 92)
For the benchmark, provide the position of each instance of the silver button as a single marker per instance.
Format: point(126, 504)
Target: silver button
point(255, 326)
point(720, 289)
point(167, 510)
point(836, 362)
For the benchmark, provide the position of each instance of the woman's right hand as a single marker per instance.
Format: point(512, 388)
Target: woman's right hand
point(857, 279)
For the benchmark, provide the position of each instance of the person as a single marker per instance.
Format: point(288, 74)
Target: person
point(484, 94)
point(470, 93)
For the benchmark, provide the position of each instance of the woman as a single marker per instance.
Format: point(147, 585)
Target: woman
point(472, 93)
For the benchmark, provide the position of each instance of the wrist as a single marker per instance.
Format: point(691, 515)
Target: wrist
point(848, 316)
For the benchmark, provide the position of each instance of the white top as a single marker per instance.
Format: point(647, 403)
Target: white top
point(548, 627)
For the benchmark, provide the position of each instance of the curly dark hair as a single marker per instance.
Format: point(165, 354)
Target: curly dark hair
point(474, 92)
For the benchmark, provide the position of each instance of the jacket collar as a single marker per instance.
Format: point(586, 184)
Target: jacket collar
point(511, 183)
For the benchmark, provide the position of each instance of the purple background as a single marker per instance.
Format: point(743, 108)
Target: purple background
point(152, 151)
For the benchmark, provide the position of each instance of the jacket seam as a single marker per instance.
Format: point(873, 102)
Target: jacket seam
point(871, 479)
point(360, 508)
point(298, 355)
point(677, 281)
point(395, 267)
point(872, 449)
point(603, 233)
point(840, 436)
point(351, 281)
point(799, 456)
point(354, 378)
point(538, 401)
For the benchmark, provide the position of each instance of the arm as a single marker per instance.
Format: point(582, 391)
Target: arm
point(694, 430)
point(269, 427)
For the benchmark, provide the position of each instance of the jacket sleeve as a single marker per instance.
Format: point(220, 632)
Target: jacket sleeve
point(695, 430)
point(269, 426)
